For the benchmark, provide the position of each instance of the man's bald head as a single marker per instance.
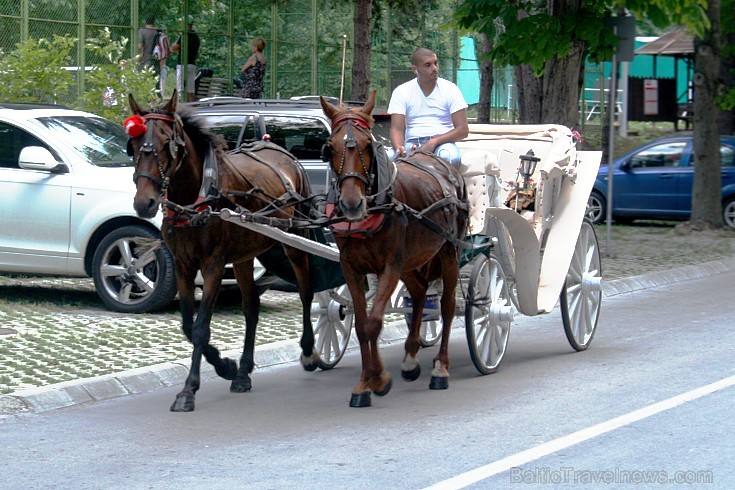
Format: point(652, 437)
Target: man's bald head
point(420, 54)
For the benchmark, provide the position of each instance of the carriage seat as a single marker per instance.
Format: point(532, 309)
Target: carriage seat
point(479, 170)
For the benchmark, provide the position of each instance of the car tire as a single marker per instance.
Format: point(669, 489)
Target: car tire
point(596, 208)
point(728, 213)
point(125, 285)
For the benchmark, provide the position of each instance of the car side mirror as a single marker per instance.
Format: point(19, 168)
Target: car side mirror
point(626, 165)
point(39, 158)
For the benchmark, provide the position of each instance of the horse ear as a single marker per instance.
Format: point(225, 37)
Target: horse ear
point(134, 107)
point(370, 103)
point(329, 109)
point(172, 104)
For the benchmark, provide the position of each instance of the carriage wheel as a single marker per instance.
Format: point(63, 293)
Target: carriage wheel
point(488, 314)
point(332, 316)
point(581, 295)
point(431, 329)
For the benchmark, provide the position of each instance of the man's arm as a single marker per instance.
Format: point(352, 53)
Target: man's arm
point(398, 133)
point(460, 132)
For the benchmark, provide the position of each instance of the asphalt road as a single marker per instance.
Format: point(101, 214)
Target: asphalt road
point(651, 399)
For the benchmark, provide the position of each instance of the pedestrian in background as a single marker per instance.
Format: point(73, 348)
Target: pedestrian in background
point(193, 43)
point(253, 71)
point(146, 42)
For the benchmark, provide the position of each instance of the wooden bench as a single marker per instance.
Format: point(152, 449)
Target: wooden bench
point(212, 87)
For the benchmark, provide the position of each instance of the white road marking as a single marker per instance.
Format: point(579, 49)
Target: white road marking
point(515, 460)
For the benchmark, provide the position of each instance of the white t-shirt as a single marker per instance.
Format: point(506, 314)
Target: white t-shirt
point(427, 116)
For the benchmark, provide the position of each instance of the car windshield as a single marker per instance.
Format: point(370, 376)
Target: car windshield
point(99, 141)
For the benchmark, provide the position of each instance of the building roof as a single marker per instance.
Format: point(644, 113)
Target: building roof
point(674, 43)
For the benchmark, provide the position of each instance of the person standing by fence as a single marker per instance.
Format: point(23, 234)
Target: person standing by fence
point(253, 71)
point(193, 42)
point(146, 42)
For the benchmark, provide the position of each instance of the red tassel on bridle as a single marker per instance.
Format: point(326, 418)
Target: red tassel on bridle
point(135, 126)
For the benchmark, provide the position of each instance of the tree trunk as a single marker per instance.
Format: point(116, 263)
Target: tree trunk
point(361, 57)
point(561, 88)
point(556, 94)
point(706, 196)
point(486, 80)
point(530, 98)
point(726, 121)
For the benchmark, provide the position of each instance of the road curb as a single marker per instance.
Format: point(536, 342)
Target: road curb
point(146, 379)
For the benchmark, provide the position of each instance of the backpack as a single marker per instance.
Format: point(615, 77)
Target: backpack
point(161, 46)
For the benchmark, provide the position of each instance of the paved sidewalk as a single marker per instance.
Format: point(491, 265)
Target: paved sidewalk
point(166, 374)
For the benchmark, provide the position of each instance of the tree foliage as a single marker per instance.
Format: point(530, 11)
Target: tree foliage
point(34, 71)
point(529, 32)
point(111, 79)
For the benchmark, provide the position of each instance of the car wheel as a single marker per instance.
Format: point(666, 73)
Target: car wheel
point(728, 213)
point(133, 271)
point(596, 208)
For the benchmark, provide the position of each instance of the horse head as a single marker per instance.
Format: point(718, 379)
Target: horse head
point(350, 153)
point(157, 146)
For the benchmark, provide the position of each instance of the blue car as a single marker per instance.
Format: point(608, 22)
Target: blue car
point(655, 181)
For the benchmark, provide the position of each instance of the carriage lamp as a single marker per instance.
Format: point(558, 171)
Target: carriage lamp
point(528, 166)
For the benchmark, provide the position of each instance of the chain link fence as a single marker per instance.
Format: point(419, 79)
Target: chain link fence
point(306, 39)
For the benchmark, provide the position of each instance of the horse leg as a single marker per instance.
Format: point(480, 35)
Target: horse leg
point(450, 278)
point(355, 283)
point(300, 263)
point(199, 335)
point(377, 377)
point(250, 309)
point(185, 284)
point(417, 286)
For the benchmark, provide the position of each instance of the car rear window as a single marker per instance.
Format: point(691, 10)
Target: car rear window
point(302, 136)
point(99, 141)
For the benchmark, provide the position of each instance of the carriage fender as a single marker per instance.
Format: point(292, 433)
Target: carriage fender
point(562, 237)
point(526, 251)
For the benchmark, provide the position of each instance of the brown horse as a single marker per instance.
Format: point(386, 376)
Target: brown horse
point(419, 208)
point(177, 163)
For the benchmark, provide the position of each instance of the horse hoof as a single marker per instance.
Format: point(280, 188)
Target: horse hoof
point(439, 383)
point(310, 363)
point(386, 389)
point(413, 374)
point(226, 370)
point(360, 400)
point(241, 385)
point(183, 403)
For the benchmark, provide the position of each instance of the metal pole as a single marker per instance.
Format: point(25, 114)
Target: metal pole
point(610, 154)
point(344, 54)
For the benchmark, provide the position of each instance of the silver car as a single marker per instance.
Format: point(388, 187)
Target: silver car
point(67, 190)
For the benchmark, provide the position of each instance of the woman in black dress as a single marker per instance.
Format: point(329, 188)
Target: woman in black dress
point(253, 71)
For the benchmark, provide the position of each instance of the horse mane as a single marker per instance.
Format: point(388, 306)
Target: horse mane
point(195, 127)
point(343, 109)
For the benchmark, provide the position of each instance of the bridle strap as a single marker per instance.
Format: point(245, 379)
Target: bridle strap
point(147, 147)
point(355, 122)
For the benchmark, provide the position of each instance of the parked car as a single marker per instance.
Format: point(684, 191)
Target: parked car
point(67, 190)
point(655, 181)
point(297, 124)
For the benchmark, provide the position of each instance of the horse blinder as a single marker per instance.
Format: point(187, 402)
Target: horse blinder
point(326, 152)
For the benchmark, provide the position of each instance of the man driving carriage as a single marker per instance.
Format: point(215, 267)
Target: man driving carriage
point(428, 112)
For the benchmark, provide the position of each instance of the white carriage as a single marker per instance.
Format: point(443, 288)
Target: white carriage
point(541, 253)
